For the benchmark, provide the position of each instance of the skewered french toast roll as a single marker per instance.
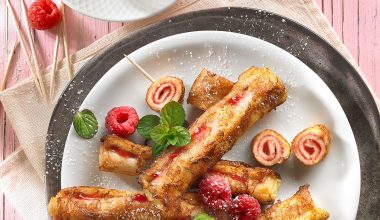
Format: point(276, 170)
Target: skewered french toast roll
point(164, 90)
point(260, 183)
point(82, 203)
point(208, 89)
point(257, 92)
point(120, 155)
point(300, 206)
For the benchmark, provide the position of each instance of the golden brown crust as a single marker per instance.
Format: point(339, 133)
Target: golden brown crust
point(259, 92)
point(208, 89)
point(276, 151)
point(300, 206)
point(86, 203)
point(312, 144)
point(261, 183)
point(258, 182)
point(174, 91)
point(135, 156)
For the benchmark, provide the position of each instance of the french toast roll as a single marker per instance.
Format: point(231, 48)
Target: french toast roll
point(300, 206)
point(82, 203)
point(257, 92)
point(120, 155)
point(312, 144)
point(208, 89)
point(163, 91)
point(270, 148)
point(260, 183)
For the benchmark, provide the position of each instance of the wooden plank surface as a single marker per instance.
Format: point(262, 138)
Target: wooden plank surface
point(356, 23)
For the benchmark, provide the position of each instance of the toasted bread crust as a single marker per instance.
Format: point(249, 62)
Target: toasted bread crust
point(85, 203)
point(262, 92)
point(112, 162)
point(261, 183)
point(300, 206)
point(208, 89)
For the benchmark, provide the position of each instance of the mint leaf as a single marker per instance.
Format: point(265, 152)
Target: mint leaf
point(85, 124)
point(172, 114)
point(146, 124)
point(179, 136)
point(203, 216)
point(159, 134)
point(158, 149)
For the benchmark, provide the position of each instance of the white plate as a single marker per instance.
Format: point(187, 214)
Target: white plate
point(335, 182)
point(119, 10)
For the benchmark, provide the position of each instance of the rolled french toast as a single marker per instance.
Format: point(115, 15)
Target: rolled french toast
point(298, 207)
point(260, 183)
point(208, 89)
point(120, 155)
point(257, 92)
point(82, 203)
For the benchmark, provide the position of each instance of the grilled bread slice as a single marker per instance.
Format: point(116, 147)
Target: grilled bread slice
point(85, 203)
point(260, 183)
point(120, 155)
point(208, 89)
point(257, 92)
point(298, 207)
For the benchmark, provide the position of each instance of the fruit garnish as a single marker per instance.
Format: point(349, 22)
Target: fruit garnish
point(245, 207)
point(122, 121)
point(43, 14)
point(85, 124)
point(215, 191)
point(166, 130)
point(203, 216)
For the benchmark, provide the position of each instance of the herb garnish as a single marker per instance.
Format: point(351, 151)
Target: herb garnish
point(166, 130)
point(203, 216)
point(85, 124)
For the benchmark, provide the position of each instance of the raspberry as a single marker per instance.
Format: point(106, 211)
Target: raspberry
point(215, 192)
point(43, 14)
point(245, 207)
point(122, 121)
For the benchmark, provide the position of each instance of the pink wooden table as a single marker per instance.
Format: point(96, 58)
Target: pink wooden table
point(355, 21)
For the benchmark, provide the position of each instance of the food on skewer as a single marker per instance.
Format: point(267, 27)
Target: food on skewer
point(122, 121)
point(299, 206)
point(108, 204)
point(270, 148)
point(122, 156)
point(312, 144)
point(163, 91)
point(261, 183)
point(257, 92)
point(208, 89)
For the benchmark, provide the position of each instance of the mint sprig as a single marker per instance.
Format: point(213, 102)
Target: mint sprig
point(166, 130)
point(85, 124)
point(203, 216)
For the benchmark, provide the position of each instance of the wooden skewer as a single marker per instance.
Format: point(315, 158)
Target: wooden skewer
point(54, 65)
point(23, 47)
point(146, 74)
point(65, 45)
point(33, 50)
point(7, 68)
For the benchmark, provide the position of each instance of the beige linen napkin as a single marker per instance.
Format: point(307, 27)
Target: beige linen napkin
point(22, 174)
